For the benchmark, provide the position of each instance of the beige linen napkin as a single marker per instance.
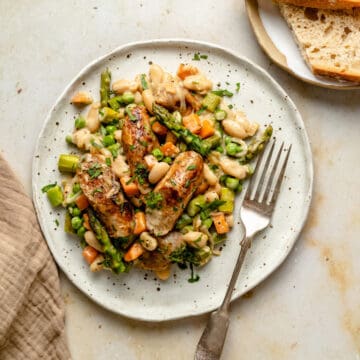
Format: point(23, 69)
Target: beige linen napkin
point(31, 307)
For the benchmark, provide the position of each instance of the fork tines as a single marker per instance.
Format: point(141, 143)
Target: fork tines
point(268, 186)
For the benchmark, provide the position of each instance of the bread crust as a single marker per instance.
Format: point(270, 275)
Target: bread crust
point(347, 75)
point(323, 4)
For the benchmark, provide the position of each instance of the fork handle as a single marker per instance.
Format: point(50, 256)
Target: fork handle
point(212, 340)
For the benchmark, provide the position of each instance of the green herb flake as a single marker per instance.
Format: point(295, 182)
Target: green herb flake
point(95, 144)
point(237, 87)
point(97, 190)
point(153, 200)
point(191, 167)
point(132, 147)
point(172, 182)
point(143, 143)
point(56, 221)
point(141, 173)
point(187, 184)
point(201, 110)
point(144, 83)
point(196, 57)
point(222, 92)
point(46, 188)
point(95, 171)
point(203, 57)
point(108, 161)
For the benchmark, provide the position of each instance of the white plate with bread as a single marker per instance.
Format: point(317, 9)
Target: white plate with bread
point(317, 41)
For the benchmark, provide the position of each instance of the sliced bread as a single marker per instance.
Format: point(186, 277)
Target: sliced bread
point(328, 39)
point(323, 4)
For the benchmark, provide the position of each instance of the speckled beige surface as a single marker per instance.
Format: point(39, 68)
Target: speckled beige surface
point(310, 307)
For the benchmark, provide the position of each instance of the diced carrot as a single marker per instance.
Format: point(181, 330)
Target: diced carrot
point(170, 137)
point(158, 128)
point(221, 226)
point(140, 223)
point(207, 129)
point(130, 187)
point(186, 70)
point(82, 202)
point(86, 222)
point(135, 251)
point(169, 149)
point(89, 254)
point(192, 123)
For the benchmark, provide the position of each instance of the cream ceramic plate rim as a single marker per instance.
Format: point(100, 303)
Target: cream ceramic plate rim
point(175, 43)
point(279, 58)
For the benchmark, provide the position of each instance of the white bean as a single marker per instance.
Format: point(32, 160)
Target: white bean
point(158, 171)
point(106, 152)
point(156, 74)
point(197, 83)
point(138, 98)
point(120, 167)
point(92, 240)
point(209, 176)
point(92, 119)
point(211, 196)
point(150, 161)
point(230, 220)
point(81, 138)
point(234, 128)
point(233, 168)
point(81, 98)
point(195, 239)
point(117, 135)
point(97, 264)
point(148, 98)
point(120, 86)
point(148, 241)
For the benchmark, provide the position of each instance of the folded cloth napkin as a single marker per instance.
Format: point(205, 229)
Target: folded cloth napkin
point(31, 307)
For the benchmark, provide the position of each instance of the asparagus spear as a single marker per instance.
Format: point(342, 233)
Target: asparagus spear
point(201, 146)
point(68, 163)
point(116, 262)
point(105, 87)
point(258, 145)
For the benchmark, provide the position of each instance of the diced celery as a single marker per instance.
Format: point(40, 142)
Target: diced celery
point(195, 205)
point(228, 196)
point(211, 101)
point(55, 196)
point(68, 163)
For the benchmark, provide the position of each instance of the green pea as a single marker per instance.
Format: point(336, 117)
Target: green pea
point(76, 188)
point(232, 183)
point(110, 129)
point(127, 97)
point(80, 122)
point(76, 211)
point(158, 154)
point(108, 140)
point(232, 149)
point(81, 231)
point(168, 160)
point(69, 139)
point(195, 205)
point(76, 222)
point(220, 149)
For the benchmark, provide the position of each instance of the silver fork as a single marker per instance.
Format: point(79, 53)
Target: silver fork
point(256, 212)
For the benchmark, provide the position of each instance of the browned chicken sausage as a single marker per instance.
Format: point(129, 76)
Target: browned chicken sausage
point(174, 192)
point(138, 140)
point(99, 185)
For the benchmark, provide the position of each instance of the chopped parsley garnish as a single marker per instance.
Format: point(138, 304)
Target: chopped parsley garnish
point(191, 167)
point(201, 110)
point(143, 143)
point(56, 221)
point(46, 188)
point(141, 173)
point(222, 92)
point(237, 87)
point(172, 182)
point(132, 147)
point(197, 56)
point(187, 184)
point(144, 83)
point(193, 278)
point(95, 171)
point(108, 161)
point(153, 200)
point(209, 207)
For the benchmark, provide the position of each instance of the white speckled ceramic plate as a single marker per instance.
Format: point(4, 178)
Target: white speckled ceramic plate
point(138, 294)
point(275, 38)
